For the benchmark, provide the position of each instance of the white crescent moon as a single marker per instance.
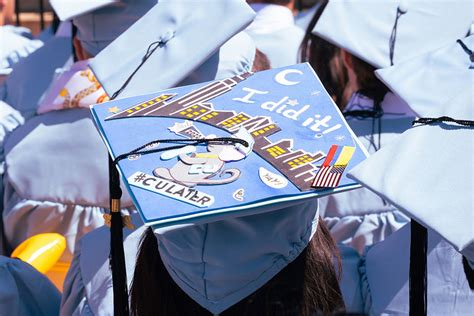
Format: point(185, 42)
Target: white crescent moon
point(281, 77)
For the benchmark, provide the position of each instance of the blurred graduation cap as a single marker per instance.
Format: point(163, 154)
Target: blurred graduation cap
point(181, 41)
point(429, 73)
point(427, 171)
point(383, 33)
point(68, 9)
point(98, 23)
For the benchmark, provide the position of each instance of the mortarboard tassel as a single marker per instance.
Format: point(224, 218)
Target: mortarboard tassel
point(419, 242)
point(418, 267)
point(469, 273)
point(117, 255)
point(401, 10)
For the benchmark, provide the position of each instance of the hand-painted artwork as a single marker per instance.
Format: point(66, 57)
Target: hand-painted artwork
point(284, 115)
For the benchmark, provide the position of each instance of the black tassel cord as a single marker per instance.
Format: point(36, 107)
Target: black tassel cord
point(469, 272)
point(419, 242)
point(117, 255)
point(418, 269)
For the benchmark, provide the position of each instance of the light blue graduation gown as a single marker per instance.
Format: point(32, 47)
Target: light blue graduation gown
point(385, 277)
point(25, 291)
point(10, 119)
point(88, 286)
point(359, 218)
point(56, 178)
point(32, 75)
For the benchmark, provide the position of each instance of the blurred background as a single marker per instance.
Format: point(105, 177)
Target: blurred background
point(33, 14)
point(37, 14)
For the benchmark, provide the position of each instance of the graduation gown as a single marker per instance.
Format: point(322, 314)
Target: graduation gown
point(25, 291)
point(56, 178)
point(384, 276)
point(359, 218)
point(10, 119)
point(88, 285)
point(31, 76)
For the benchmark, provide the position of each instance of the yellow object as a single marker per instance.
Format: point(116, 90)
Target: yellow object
point(206, 155)
point(41, 251)
point(345, 156)
point(57, 274)
point(63, 93)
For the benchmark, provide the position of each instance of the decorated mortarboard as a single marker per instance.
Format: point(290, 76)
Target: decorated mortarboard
point(177, 26)
point(241, 145)
point(383, 33)
point(428, 172)
point(68, 9)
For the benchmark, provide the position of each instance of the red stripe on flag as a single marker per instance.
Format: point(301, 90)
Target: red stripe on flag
point(322, 176)
point(330, 156)
point(328, 179)
point(336, 179)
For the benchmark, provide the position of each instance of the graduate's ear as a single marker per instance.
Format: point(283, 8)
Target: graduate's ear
point(352, 84)
point(81, 53)
point(347, 60)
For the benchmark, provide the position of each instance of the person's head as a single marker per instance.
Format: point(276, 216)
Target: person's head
point(341, 73)
point(379, 36)
point(265, 264)
point(309, 285)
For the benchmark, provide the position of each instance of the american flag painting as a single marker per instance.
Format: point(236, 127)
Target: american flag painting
point(329, 175)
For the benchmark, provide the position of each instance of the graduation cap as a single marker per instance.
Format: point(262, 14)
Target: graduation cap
point(98, 23)
point(427, 171)
point(249, 124)
point(383, 33)
point(244, 145)
point(68, 9)
point(173, 37)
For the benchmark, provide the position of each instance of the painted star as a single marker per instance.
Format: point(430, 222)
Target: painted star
point(293, 102)
point(114, 110)
point(315, 92)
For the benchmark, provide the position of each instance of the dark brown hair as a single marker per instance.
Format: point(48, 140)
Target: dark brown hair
point(307, 286)
point(261, 62)
point(322, 56)
point(326, 60)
